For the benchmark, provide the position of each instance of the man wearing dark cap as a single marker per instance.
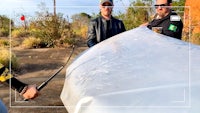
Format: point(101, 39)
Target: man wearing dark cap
point(104, 26)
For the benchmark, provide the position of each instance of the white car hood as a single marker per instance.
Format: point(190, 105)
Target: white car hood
point(137, 71)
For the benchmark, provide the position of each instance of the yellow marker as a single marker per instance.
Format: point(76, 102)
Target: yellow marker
point(5, 75)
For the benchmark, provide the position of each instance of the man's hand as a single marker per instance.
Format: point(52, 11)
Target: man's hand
point(144, 24)
point(31, 92)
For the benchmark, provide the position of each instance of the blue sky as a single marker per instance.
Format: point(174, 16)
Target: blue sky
point(15, 8)
point(67, 7)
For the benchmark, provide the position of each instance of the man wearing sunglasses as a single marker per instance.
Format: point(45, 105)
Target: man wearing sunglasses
point(166, 19)
point(104, 26)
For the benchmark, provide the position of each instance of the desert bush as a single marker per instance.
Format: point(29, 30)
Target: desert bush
point(48, 30)
point(49, 27)
point(69, 41)
point(5, 56)
point(84, 31)
point(5, 24)
point(4, 43)
point(45, 37)
point(136, 14)
point(68, 37)
point(196, 38)
point(4, 32)
point(80, 24)
point(31, 42)
point(18, 33)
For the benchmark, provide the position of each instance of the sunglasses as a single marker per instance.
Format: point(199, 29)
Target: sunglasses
point(107, 5)
point(160, 5)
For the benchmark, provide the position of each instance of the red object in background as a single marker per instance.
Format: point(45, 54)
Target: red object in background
point(22, 18)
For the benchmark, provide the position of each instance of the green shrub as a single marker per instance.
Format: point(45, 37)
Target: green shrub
point(5, 58)
point(31, 42)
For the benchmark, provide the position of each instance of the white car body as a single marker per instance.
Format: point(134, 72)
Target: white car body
point(137, 71)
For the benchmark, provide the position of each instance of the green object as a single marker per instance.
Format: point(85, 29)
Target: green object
point(172, 27)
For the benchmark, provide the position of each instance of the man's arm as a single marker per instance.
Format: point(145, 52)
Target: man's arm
point(92, 36)
point(6, 77)
point(27, 91)
point(122, 26)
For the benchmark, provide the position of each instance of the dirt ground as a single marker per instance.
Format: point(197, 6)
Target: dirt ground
point(36, 66)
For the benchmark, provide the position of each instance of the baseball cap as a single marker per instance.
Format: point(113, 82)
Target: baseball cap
point(103, 1)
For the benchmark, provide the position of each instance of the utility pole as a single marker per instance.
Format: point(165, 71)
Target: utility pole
point(54, 3)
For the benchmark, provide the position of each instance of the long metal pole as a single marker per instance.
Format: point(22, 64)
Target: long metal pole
point(49, 79)
point(43, 84)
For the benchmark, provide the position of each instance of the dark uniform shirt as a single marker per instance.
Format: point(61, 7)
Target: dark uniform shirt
point(169, 27)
